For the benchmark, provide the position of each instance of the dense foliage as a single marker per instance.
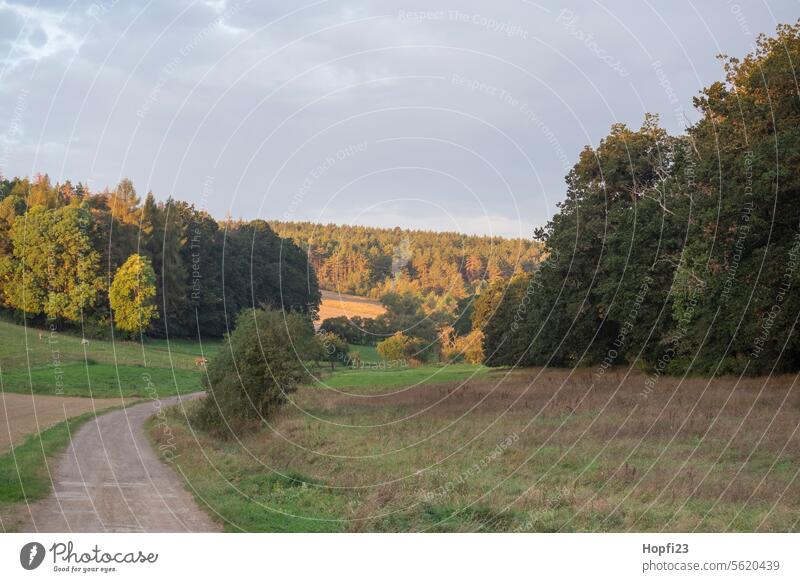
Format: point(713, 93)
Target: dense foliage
point(373, 261)
point(51, 267)
point(333, 348)
point(403, 348)
point(253, 374)
point(61, 247)
point(132, 295)
point(677, 252)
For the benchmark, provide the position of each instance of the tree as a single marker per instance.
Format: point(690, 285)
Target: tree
point(471, 345)
point(260, 268)
point(254, 373)
point(333, 348)
point(167, 246)
point(680, 252)
point(53, 269)
point(404, 313)
point(463, 314)
point(474, 268)
point(42, 193)
point(65, 236)
point(736, 296)
point(132, 295)
point(372, 261)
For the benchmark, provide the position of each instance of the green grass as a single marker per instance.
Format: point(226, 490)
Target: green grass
point(102, 380)
point(266, 501)
point(405, 376)
point(23, 469)
point(59, 364)
point(367, 353)
point(377, 372)
point(525, 451)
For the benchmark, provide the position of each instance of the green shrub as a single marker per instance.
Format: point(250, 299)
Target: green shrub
point(251, 377)
point(402, 347)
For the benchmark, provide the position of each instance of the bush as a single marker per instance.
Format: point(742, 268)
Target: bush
point(251, 377)
point(402, 347)
point(467, 348)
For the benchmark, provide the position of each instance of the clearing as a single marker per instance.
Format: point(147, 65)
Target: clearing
point(336, 304)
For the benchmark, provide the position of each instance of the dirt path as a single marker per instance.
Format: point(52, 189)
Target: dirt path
point(110, 479)
point(26, 414)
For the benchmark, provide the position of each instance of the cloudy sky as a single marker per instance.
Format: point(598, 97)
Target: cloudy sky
point(448, 116)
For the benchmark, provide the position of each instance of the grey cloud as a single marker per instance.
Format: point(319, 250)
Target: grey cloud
point(493, 101)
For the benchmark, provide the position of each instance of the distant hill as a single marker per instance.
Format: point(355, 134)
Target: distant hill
point(369, 261)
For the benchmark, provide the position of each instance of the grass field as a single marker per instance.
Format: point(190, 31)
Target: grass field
point(59, 364)
point(370, 377)
point(531, 450)
point(375, 371)
point(339, 304)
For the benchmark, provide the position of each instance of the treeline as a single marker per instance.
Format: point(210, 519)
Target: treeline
point(61, 248)
point(680, 253)
point(372, 261)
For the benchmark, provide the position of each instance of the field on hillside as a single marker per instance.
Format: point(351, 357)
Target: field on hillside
point(339, 304)
point(529, 450)
point(59, 364)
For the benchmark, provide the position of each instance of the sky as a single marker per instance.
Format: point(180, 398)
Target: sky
point(459, 116)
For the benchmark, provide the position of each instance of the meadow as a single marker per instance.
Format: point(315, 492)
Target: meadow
point(59, 363)
point(375, 371)
point(461, 447)
point(535, 450)
point(35, 361)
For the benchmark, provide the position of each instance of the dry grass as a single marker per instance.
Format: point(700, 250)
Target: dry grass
point(530, 450)
point(338, 304)
point(22, 415)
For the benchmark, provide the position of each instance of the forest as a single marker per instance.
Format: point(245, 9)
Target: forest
point(370, 261)
point(70, 258)
point(676, 253)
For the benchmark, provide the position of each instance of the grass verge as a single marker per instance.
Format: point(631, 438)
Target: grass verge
point(23, 469)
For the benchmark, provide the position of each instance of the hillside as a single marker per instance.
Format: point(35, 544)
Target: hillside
point(57, 363)
point(370, 261)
